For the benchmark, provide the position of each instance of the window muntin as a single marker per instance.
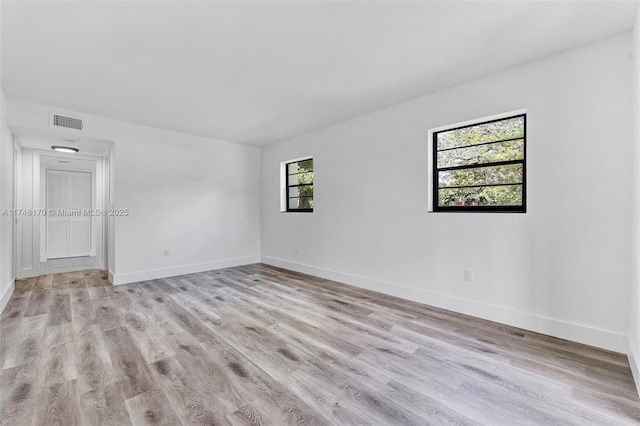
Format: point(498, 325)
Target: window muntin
point(299, 185)
point(481, 167)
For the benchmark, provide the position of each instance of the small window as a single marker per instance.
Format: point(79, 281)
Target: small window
point(299, 185)
point(481, 167)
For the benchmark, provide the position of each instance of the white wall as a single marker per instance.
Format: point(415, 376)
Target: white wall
point(197, 197)
point(634, 332)
point(562, 268)
point(28, 247)
point(6, 202)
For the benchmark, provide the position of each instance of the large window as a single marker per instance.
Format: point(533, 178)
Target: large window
point(299, 185)
point(481, 167)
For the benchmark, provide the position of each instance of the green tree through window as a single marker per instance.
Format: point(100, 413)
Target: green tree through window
point(481, 167)
point(300, 186)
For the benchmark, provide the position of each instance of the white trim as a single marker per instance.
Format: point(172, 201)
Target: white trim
point(17, 167)
point(7, 295)
point(592, 336)
point(98, 188)
point(634, 360)
point(132, 277)
point(431, 131)
point(37, 246)
point(63, 155)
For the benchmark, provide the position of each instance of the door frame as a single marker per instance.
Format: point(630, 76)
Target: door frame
point(98, 186)
point(17, 182)
point(34, 175)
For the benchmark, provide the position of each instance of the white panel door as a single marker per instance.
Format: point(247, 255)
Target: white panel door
point(79, 224)
point(68, 232)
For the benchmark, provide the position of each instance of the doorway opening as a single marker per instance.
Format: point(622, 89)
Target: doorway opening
point(70, 234)
point(66, 195)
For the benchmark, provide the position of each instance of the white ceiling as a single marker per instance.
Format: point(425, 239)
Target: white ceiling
point(258, 72)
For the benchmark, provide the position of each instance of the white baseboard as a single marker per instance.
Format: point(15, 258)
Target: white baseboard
point(634, 360)
point(111, 277)
point(152, 274)
point(592, 336)
point(7, 295)
point(28, 273)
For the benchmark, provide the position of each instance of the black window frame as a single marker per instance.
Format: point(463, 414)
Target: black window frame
point(288, 187)
point(496, 209)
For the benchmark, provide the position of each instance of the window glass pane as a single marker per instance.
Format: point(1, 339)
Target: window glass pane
point(301, 191)
point(292, 168)
point(306, 165)
point(481, 196)
point(494, 152)
point(491, 175)
point(301, 203)
point(489, 132)
point(301, 178)
point(300, 166)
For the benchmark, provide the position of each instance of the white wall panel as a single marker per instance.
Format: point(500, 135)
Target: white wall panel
point(7, 222)
point(80, 196)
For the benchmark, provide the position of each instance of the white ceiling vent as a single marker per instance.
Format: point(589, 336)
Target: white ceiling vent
point(66, 122)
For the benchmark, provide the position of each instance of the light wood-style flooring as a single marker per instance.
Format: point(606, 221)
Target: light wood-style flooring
point(259, 345)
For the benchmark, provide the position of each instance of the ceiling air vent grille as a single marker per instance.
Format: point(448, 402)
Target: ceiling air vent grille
point(67, 122)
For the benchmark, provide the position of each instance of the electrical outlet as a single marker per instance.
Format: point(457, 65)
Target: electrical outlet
point(468, 275)
point(166, 253)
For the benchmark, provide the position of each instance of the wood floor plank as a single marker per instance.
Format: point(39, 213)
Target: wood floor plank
point(27, 343)
point(190, 399)
point(17, 309)
point(104, 405)
point(151, 408)
point(43, 282)
point(106, 312)
point(19, 396)
point(7, 341)
point(60, 309)
point(83, 316)
point(25, 284)
point(59, 404)
point(79, 295)
point(59, 356)
point(93, 363)
point(96, 292)
point(61, 281)
point(147, 337)
point(435, 412)
point(259, 345)
point(38, 303)
point(134, 375)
